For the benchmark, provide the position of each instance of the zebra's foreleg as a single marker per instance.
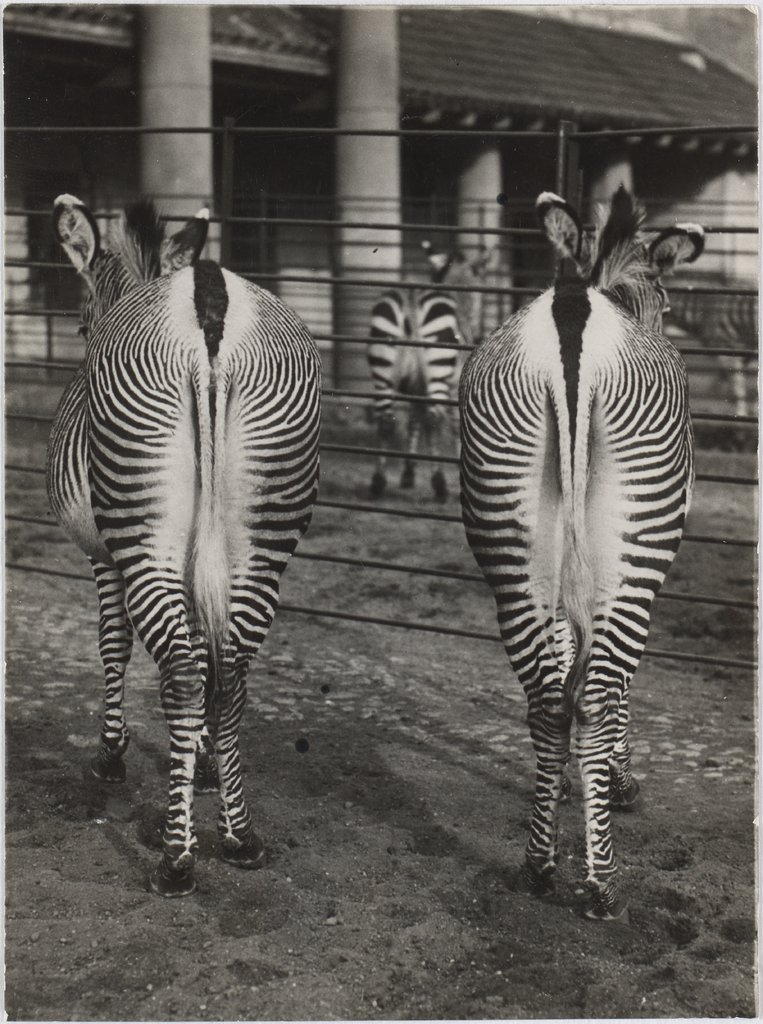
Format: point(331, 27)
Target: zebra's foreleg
point(182, 691)
point(115, 637)
point(240, 843)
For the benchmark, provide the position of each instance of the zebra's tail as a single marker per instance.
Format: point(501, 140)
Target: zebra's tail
point(211, 577)
point(577, 589)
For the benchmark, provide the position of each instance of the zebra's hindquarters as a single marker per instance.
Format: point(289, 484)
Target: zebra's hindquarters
point(270, 376)
point(66, 470)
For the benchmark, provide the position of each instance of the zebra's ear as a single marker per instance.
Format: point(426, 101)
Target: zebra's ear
point(682, 244)
point(560, 224)
point(77, 231)
point(184, 247)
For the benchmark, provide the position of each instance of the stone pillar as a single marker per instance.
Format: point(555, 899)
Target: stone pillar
point(617, 171)
point(367, 172)
point(176, 91)
point(479, 185)
point(740, 209)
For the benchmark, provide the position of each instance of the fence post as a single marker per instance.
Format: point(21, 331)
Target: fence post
point(567, 178)
point(567, 162)
point(226, 209)
point(263, 263)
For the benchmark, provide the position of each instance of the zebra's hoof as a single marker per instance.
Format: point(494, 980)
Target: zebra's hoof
point(167, 881)
point(627, 801)
point(439, 486)
point(106, 768)
point(206, 778)
point(598, 910)
point(378, 485)
point(538, 883)
point(249, 855)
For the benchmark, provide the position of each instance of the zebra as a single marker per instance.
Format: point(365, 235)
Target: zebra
point(183, 460)
point(722, 321)
point(576, 476)
point(427, 375)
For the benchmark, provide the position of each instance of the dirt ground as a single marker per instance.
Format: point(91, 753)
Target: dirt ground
point(394, 838)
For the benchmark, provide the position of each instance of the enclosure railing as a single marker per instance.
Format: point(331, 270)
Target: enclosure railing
point(567, 143)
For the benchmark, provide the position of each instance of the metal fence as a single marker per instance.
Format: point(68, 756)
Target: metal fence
point(567, 144)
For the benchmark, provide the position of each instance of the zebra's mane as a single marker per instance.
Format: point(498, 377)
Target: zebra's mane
point(617, 254)
point(138, 240)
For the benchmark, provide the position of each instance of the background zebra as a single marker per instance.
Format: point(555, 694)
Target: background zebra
point(439, 319)
point(183, 461)
point(723, 321)
point(577, 469)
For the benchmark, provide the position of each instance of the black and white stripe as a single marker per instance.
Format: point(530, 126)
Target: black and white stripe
point(428, 316)
point(435, 320)
point(576, 473)
point(201, 408)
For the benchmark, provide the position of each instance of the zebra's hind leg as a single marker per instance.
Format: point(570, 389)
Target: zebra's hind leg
point(408, 477)
point(434, 424)
point(385, 432)
point(551, 741)
point(240, 843)
point(182, 688)
point(596, 737)
point(206, 778)
point(624, 790)
point(115, 637)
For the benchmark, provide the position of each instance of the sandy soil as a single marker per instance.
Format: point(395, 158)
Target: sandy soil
point(394, 838)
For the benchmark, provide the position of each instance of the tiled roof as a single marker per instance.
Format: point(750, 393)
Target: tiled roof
point(499, 60)
point(489, 60)
point(289, 38)
point(101, 23)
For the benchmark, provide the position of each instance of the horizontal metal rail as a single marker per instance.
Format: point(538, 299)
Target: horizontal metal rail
point(441, 630)
point(709, 229)
point(445, 517)
point(311, 222)
point(349, 339)
point(405, 513)
point(614, 133)
point(447, 574)
point(384, 284)
point(697, 417)
point(502, 133)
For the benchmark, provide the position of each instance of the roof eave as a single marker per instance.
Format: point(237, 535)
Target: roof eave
point(233, 53)
point(17, 20)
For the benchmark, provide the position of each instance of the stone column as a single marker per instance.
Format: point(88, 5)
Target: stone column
point(479, 185)
point(367, 174)
point(176, 91)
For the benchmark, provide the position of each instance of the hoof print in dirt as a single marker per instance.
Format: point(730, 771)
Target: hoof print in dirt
point(166, 881)
point(107, 769)
point(250, 855)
